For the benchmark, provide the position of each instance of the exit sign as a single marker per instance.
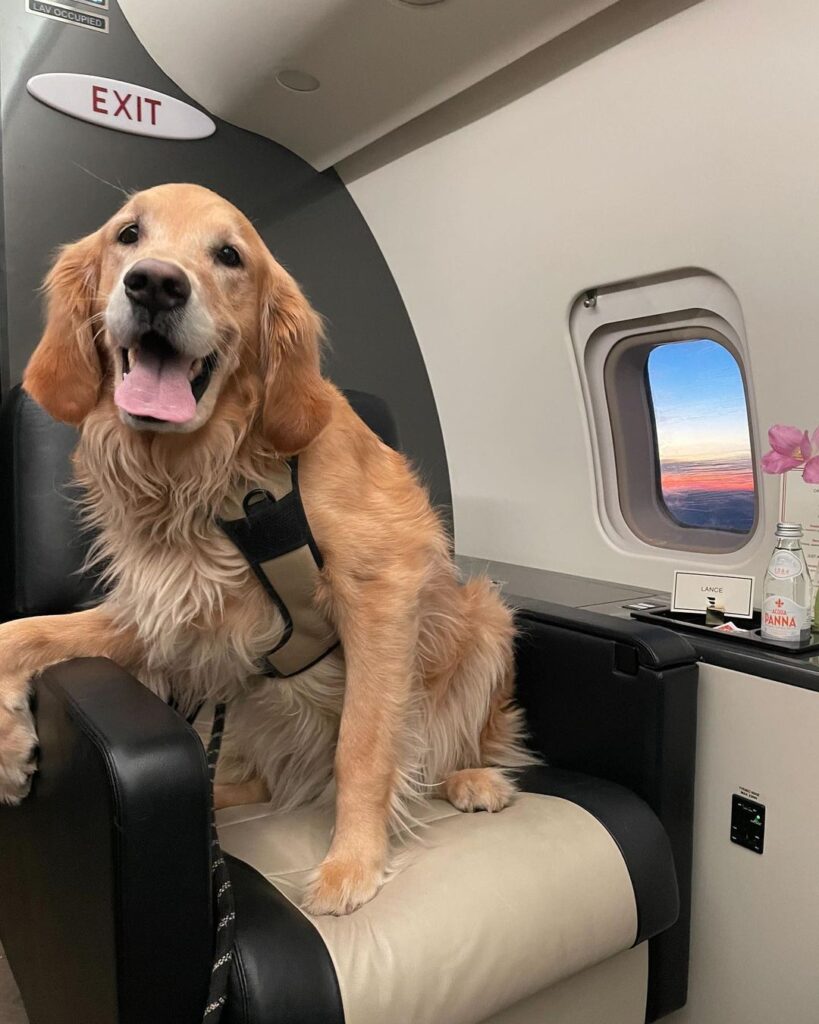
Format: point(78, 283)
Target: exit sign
point(121, 105)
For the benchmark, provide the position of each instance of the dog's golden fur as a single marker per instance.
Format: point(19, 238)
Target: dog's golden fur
point(422, 695)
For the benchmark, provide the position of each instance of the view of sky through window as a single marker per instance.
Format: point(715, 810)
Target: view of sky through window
point(703, 441)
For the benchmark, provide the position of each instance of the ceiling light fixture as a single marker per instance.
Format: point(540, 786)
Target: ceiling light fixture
point(420, 3)
point(297, 81)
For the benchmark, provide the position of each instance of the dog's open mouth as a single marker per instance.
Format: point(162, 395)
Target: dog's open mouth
point(160, 384)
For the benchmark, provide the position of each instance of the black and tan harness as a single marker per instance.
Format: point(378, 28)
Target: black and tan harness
point(270, 528)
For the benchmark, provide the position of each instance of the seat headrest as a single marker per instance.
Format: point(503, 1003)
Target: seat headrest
point(376, 414)
point(42, 547)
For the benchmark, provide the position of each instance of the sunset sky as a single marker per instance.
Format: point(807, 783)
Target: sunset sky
point(701, 418)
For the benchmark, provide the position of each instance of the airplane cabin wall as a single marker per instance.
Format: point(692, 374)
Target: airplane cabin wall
point(690, 144)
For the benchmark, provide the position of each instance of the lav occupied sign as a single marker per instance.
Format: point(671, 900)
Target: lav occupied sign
point(121, 105)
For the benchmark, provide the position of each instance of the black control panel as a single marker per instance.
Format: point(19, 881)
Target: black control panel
point(747, 823)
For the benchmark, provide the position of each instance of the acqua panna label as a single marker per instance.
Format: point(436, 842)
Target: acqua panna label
point(784, 619)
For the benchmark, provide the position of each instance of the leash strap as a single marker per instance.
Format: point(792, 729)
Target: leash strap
point(223, 906)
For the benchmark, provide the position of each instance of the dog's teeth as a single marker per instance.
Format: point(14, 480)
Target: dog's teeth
point(195, 370)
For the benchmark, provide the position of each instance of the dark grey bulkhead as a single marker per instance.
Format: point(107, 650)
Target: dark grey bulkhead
point(51, 166)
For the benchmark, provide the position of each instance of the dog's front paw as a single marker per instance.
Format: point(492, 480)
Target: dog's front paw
point(342, 884)
point(479, 789)
point(18, 745)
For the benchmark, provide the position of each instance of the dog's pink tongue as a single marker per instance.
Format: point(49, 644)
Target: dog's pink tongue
point(157, 387)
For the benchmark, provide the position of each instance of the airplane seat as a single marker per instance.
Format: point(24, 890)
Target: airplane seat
point(570, 905)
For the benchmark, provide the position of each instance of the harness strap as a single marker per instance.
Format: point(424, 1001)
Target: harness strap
point(275, 538)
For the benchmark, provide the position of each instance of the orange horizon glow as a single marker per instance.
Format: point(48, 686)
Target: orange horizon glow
point(703, 478)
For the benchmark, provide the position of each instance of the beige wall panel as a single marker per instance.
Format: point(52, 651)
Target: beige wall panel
point(755, 924)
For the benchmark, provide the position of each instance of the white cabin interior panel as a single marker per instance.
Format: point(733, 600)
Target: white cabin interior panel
point(754, 934)
point(684, 145)
point(377, 64)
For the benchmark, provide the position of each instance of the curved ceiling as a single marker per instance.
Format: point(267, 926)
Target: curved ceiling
point(380, 62)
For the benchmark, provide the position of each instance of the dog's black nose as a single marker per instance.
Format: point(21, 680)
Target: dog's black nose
point(157, 285)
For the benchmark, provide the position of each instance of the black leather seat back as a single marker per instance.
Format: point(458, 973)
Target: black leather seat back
point(42, 546)
point(377, 415)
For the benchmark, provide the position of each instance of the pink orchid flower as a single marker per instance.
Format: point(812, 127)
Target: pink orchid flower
point(791, 447)
point(810, 474)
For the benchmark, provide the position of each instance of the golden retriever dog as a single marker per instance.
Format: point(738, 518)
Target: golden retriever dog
point(190, 361)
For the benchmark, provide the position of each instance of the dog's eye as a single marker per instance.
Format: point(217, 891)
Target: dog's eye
point(229, 256)
point(129, 235)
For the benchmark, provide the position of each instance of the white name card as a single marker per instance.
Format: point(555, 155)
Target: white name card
point(693, 589)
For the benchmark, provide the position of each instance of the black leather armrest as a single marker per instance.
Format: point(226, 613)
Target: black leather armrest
point(653, 646)
point(281, 969)
point(608, 698)
point(105, 913)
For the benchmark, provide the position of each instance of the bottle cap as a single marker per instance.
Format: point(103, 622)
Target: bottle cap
point(792, 530)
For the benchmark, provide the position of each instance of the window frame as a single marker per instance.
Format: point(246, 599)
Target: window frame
point(634, 439)
point(698, 304)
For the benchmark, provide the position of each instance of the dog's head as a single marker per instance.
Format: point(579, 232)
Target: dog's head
point(177, 308)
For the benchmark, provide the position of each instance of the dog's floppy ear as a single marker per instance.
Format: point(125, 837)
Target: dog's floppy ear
point(297, 399)
point(64, 373)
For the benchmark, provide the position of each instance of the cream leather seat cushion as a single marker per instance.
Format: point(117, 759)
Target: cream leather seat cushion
point(485, 910)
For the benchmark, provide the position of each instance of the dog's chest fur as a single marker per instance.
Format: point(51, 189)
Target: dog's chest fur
point(201, 616)
point(202, 619)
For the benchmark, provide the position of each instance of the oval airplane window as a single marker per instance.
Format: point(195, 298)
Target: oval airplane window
point(702, 440)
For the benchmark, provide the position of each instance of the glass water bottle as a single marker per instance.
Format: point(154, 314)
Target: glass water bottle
point(786, 603)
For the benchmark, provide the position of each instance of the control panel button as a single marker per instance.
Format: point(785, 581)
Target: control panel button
point(747, 823)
